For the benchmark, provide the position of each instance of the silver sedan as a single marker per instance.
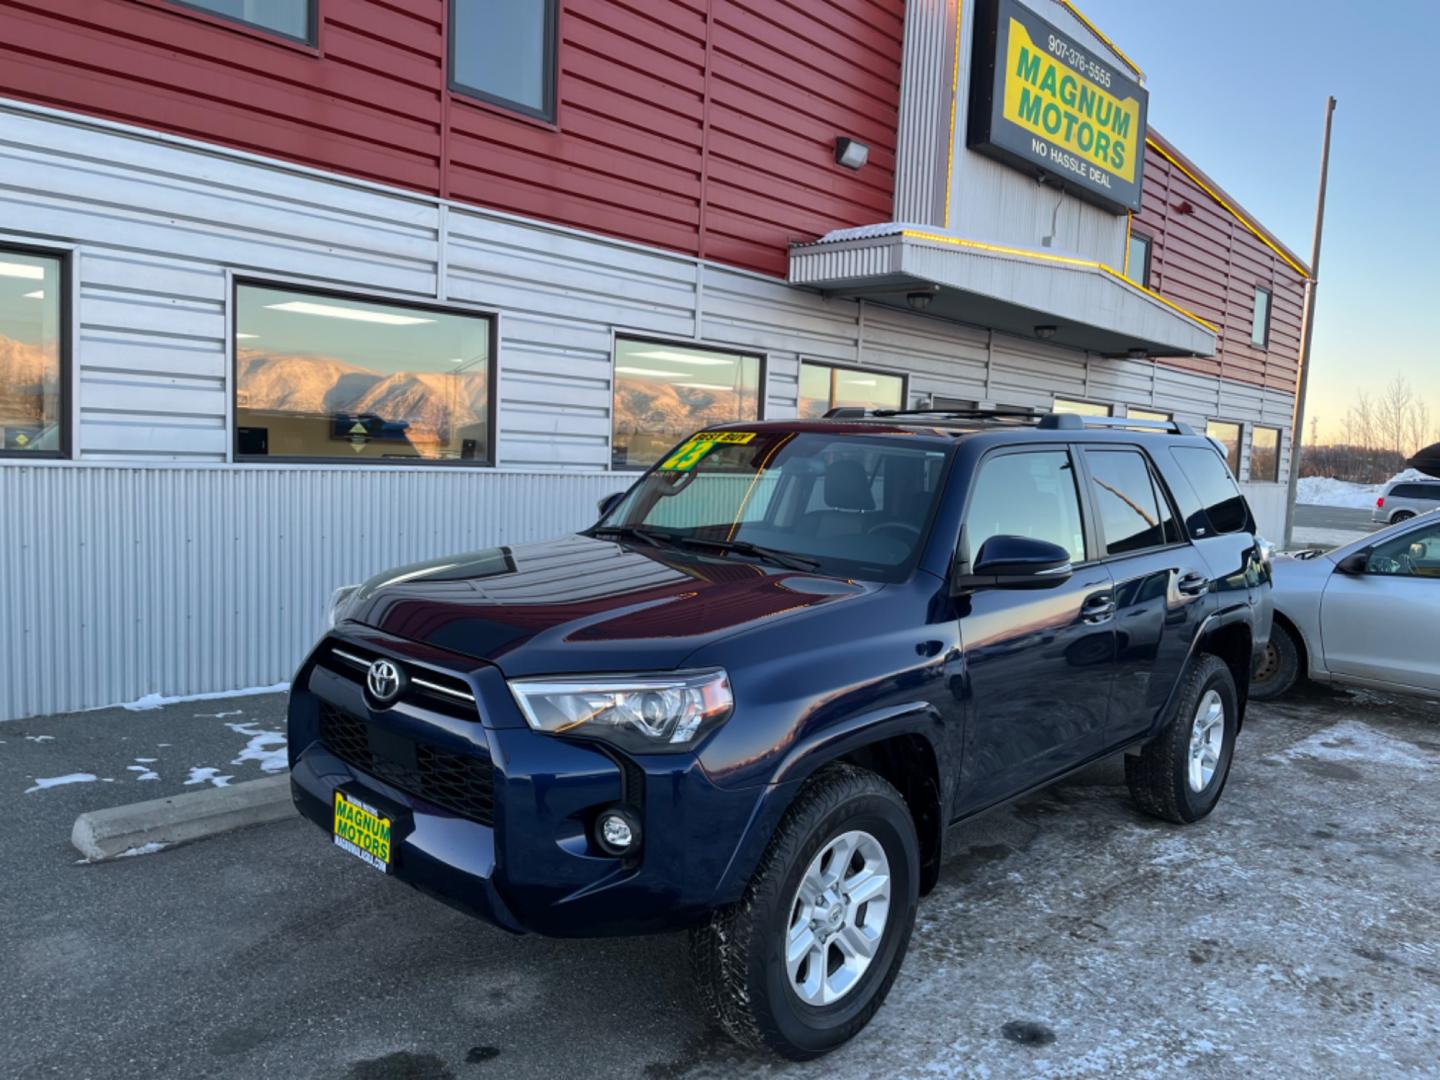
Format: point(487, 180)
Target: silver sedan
point(1365, 614)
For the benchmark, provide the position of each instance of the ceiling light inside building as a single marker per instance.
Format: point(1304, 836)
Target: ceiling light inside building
point(649, 371)
point(680, 358)
point(38, 294)
point(704, 386)
point(25, 270)
point(332, 311)
point(246, 337)
point(850, 153)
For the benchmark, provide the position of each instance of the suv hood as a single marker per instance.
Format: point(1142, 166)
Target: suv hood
point(580, 604)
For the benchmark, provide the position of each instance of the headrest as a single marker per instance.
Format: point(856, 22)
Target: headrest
point(847, 487)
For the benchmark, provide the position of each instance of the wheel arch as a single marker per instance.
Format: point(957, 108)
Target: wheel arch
point(1233, 643)
point(1302, 647)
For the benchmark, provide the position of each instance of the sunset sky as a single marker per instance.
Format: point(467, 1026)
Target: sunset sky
point(1240, 87)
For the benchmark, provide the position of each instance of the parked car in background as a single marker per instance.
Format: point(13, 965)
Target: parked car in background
point(1366, 614)
point(751, 698)
point(1402, 500)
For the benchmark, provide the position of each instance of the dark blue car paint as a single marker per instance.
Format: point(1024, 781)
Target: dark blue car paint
point(1009, 688)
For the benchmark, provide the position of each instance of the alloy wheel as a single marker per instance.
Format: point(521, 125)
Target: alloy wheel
point(1207, 738)
point(837, 918)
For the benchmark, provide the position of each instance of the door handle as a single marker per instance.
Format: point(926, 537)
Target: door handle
point(1098, 608)
point(1193, 584)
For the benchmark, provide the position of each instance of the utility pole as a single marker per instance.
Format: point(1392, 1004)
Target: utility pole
point(1297, 423)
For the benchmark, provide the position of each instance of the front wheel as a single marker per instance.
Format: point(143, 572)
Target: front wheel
point(1278, 667)
point(806, 957)
point(1179, 775)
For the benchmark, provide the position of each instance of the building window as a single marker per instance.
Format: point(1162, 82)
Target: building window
point(288, 18)
point(1138, 259)
point(1260, 322)
point(824, 387)
point(341, 378)
point(503, 51)
point(1082, 408)
point(1228, 436)
point(663, 392)
point(1265, 454)
point(1148, 414)
point(32, 354)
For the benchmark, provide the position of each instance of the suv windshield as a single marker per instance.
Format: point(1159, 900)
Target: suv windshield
point(848, 505)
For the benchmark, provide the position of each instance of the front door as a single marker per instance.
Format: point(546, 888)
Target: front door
point(1160, 585)
point(1039, 661)
point(1384, 624)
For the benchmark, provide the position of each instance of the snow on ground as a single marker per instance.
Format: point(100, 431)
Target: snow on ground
point(266, 747)
point(202, 774)
point(156, 701)
point(1327, 491)
point(142, 769)
point(43, 782)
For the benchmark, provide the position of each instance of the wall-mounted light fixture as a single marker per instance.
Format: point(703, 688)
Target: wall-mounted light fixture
point(919, 301)
point(1045, 333)
point(850, 153)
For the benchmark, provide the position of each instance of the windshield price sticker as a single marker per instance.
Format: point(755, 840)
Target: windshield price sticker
point(694, 450)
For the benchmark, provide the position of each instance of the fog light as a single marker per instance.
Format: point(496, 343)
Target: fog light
point(617, 832)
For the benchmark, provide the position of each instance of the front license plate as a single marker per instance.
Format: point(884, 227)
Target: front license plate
point(363, 831)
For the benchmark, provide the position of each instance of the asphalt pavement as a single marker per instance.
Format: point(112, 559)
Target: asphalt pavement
point(1334, 517)
point(1293, 933)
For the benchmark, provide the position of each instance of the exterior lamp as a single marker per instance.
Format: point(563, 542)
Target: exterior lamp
point(850, 153)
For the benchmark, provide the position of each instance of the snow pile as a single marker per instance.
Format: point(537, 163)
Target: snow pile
point(1327, 491)
point(202, 774)
point(266, 747)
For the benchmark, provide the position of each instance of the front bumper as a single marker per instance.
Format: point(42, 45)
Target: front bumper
point(527, 860)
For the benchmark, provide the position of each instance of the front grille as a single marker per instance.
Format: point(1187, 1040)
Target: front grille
point(460, 783)
point(431, 689)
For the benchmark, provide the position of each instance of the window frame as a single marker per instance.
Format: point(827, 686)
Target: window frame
point(492, 404)
point(1250, 465)
point(903, 376)
point(549, 110)
point(1157, 485)
point(1264, 343)
point(311, 40)
point(1239, 427)
point(1144, 279)
point(65, 379)
point(762, 377)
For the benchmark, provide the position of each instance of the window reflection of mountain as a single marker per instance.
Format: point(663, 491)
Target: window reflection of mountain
point(438, 411)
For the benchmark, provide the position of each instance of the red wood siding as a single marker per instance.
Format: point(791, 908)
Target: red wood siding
point(1205, 259)
point(703, 126)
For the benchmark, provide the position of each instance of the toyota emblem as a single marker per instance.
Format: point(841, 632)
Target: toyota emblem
point(383, 679)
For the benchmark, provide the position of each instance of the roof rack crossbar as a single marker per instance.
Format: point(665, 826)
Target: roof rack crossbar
point(851, 412)
point(1076, 422)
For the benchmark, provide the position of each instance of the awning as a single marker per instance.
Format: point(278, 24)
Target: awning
point(1065, 299)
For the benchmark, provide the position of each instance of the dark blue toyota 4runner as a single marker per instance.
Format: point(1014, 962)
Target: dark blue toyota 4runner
point(751, 698)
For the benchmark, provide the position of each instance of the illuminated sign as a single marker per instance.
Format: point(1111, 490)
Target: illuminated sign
point(1043, 103)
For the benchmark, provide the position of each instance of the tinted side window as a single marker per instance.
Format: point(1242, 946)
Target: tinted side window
point(1030, 494)
point(1125, 499)
point(1415, 491)
point(1221, 507)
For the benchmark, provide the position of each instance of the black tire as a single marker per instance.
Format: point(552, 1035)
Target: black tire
point(1278, 667)
point(1159, 776)
point(1401, 515)
point(737, 957)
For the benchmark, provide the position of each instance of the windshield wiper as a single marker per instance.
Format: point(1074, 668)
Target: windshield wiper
point(631, 532)
point(745, 547)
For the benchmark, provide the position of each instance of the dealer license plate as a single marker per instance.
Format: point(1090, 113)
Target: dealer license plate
point(363, 831)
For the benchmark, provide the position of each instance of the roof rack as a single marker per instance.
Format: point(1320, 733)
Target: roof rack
point(1049, 421)
point(1076, 422)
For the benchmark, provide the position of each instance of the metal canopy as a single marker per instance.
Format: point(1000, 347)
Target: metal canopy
point(1065, 300)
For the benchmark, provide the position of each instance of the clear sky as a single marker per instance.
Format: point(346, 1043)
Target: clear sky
point(1240, 85)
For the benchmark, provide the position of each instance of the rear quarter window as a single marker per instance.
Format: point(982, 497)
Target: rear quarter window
point(1212, 504)
point(1416, 491)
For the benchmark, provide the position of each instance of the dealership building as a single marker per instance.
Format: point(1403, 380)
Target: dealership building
point(292, 291)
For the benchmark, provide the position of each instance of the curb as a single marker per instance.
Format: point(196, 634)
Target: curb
point(104, 834)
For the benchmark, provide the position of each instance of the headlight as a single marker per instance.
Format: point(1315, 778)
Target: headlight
point(644, 713)
point(338, 599)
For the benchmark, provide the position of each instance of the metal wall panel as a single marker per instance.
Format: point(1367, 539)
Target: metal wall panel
point(128, 580)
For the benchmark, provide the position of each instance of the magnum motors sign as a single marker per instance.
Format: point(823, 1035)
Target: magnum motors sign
point(1043, 103)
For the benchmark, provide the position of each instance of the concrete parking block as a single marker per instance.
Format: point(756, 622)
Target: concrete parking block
point(104, 834)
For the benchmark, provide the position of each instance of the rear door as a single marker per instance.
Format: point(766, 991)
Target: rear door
point(1040, 661)
point(1384, 625)
point(1160, 584)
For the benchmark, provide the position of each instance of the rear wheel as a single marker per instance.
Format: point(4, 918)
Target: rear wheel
point(1179, 775)
point(1401, 515)
point(1278, 668)
point(806, 957)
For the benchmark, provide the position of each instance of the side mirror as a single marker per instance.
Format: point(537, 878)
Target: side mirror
point(1016, 562)
point(1354, 564)
point(607, 502)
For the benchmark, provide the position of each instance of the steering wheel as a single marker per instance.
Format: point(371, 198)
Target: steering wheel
point(912, 532)
point(1383, 565)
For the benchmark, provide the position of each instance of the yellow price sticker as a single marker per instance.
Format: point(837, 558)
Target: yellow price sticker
point(688, 456)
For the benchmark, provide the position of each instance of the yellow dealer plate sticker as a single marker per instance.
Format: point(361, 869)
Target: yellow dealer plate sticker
point(692, 450)
point(362, 831)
